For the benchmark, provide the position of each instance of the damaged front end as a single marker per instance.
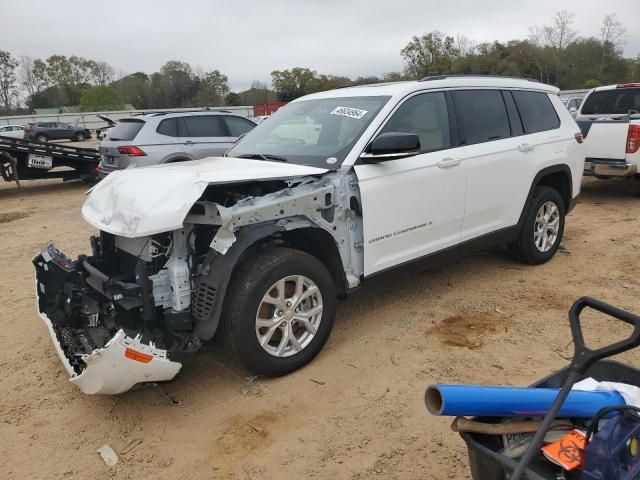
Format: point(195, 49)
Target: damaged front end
point(119, 317)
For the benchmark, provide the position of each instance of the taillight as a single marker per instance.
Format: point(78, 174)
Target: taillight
point(131, 151)
point(633, 138)
point(579, 137)
point(628, 85)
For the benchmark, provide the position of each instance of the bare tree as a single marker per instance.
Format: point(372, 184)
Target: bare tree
point(560, 34)
point(101, 73)
point(613, 36)
point(536, 36)
point(8, 83)
point(464, 45)
point(33, 75)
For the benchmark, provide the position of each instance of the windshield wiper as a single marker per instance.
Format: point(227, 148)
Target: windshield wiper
point(263, 156)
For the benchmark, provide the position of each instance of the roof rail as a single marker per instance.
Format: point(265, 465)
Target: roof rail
point(195, 110)
point(442, 77)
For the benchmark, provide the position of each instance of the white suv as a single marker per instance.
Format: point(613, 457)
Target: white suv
point(332, 189)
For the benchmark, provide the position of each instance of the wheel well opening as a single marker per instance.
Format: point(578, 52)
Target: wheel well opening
point(560, 182)
point(321, 245)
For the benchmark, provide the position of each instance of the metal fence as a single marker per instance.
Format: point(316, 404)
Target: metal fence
point(91, 120)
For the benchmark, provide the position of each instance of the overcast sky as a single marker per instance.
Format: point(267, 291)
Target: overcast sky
point(247, 39)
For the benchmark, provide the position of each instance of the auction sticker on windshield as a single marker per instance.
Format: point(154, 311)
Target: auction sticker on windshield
point(349, 112)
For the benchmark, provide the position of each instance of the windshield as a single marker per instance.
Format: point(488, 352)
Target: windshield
point(612, 102)
point(318, 133)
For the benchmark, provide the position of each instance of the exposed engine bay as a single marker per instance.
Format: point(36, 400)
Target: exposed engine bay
point(143, 305)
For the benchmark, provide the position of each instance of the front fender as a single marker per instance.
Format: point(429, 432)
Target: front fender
point(218, 269)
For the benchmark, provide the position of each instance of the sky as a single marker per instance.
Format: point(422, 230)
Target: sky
point(247, 39)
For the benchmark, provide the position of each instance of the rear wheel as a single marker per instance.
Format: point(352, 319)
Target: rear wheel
point(79, 137)
point(42, 138)
point(542, 228)
point(279, 311)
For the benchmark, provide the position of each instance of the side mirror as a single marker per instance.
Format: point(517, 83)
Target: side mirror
point(573, 111)
point(391, 146)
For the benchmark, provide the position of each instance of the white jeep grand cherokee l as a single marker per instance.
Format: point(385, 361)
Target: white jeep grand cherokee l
point(336, 187)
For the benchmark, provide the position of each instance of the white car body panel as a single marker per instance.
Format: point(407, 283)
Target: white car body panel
point(13, 131)
point(156, 199)
point(607, 140)
point(411, 207)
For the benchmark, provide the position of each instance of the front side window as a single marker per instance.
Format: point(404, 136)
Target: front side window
point(200, 126)
point(318, 132)
point(483, 115)
point(536, 111)
point(425, 115)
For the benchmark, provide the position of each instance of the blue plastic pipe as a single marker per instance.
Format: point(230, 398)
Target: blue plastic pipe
point(480, 401)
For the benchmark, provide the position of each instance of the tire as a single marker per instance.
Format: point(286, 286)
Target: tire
point(42, 138)
point(530, 247)
point(260, 276)
point(78, 137)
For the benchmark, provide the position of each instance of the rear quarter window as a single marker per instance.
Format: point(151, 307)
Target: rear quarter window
point(536, 111)
point(238, 126)
point(483, 115)
point(168, 127)
point(126, 130)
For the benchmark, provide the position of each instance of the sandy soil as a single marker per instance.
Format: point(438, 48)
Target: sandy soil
point(357, 411)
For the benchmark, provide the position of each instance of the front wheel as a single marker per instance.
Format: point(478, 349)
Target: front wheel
point(542, 229)
point(79, 137)
point(41, 138)
point(279, 311)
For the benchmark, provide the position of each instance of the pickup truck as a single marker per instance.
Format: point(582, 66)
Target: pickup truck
point(609, 119)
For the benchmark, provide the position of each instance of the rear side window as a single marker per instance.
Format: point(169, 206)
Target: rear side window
point(238, 126)
point(200, 126)
point(612, 102)
point(536, 111)
point(168, 127)
point(483, 115)
point(126, 130)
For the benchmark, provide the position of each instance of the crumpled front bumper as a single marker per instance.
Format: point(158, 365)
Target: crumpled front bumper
point(116, 367)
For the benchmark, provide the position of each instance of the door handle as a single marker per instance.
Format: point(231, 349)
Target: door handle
point(189, 142)
point(525, 147)
point(449, 162)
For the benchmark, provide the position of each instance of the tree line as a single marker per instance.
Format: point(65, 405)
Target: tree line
point(553, 53)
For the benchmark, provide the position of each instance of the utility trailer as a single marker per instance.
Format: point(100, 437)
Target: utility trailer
point(29, 160)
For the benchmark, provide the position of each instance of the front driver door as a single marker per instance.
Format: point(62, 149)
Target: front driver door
point(414, 206)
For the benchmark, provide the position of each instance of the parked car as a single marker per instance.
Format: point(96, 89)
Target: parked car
point(158, 138)
point(572, 104)
point(259, 244)
point(44, 131)
point(14, 131)
point(102, 133)
point(609, 119)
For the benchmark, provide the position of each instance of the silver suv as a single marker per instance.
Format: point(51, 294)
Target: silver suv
point(157, 138)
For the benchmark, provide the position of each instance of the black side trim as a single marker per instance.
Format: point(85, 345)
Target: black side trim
point(497, 238)
point(536, 180)
point(214, 284)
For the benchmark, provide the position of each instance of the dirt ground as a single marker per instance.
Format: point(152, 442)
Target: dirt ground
point(357, 411)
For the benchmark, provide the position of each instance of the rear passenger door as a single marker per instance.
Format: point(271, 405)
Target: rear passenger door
point(491, 133)
point(203, 136)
